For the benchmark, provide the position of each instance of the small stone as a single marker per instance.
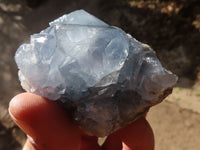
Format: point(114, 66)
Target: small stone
point(104, 77)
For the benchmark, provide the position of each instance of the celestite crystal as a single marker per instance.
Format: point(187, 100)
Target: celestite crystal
point(104, 77)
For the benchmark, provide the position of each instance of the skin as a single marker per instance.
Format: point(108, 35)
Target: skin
point(48, 127)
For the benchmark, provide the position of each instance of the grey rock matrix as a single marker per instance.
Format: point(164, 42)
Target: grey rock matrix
point(102, 76)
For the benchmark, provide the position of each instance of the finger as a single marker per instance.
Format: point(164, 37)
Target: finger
point(47, 125)
point(113, 142)
point(90, 143)
point(137, 136)
point(28, 145)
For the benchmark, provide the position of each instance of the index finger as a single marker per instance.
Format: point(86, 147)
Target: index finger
point(137, 135)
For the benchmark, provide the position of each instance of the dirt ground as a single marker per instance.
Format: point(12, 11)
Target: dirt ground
point(174, 128)
point(172, 29)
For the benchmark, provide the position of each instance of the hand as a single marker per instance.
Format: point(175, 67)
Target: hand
point(48, 127)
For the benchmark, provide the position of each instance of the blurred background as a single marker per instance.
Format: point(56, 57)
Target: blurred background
point(170, 27)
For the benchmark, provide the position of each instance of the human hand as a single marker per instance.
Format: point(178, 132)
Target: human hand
point(50, 128)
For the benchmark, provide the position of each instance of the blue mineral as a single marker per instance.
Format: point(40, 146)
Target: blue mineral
point(104, 77)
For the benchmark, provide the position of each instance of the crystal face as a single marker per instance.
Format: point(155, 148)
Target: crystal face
point(104, 77)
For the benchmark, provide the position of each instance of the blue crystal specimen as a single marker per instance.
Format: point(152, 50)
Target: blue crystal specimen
point(103, 76)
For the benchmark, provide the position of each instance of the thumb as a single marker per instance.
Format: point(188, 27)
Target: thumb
point(46, 124)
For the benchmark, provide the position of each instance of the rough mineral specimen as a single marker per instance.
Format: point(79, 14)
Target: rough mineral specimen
point(104, 77)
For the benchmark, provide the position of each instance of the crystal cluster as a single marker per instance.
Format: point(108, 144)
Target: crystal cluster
point(103, 77)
